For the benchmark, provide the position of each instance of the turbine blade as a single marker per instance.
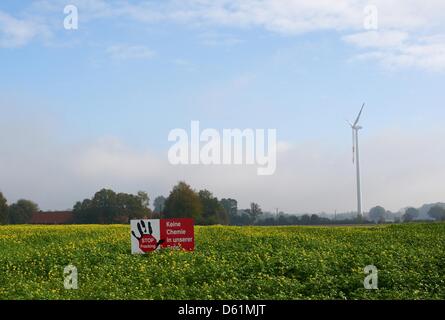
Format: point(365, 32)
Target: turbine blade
point(359, 115)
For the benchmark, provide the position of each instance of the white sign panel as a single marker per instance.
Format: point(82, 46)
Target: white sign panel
point(145, 235)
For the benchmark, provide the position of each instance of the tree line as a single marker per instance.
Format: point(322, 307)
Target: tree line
point(109, 207)
point(19, 212)
point(378, 214)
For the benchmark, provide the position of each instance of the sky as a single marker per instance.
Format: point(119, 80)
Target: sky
point(92, 107)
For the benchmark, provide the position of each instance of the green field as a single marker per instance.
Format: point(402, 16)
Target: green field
point(229, 263)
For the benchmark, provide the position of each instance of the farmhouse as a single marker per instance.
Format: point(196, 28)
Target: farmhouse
point(52, 217)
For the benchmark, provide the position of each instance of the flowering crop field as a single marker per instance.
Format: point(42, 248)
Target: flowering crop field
point(228, 263)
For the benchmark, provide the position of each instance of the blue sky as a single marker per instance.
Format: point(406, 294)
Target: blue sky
point(95, 105)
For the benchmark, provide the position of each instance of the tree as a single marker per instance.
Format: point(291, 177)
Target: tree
point(437, 212)
point(305, 219)
point(377, 214)
point(254, 211)
point(3, 209)
point(183, 202)
point(21, 211)
point(212, 210)
point(230, 205)
point(315, 219)
point(106, 206)
point(241, 218)
point(132, 207)
point(159, 204)
point(144, 199)
point(84, 212)
point(410, 214)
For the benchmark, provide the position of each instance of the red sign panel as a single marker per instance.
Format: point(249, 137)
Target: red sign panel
point(178, 233)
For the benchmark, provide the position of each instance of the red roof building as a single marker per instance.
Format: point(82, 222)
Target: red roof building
point(53, 217)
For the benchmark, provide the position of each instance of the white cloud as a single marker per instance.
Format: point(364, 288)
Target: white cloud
point(18, 32)
point(402, 39)
point(219, 39)
point(182, 62)
point(409, 22)
point(377, 39)
point(111, 158)
point(284, 146)
point(129, 52)
point(289, 16)
point(398, 50)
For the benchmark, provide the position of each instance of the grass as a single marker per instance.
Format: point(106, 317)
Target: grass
point(228, 263)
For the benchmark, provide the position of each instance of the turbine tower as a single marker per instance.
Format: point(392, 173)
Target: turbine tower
point(356, 158)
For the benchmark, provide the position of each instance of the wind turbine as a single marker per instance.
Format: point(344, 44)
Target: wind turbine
point(356, 158)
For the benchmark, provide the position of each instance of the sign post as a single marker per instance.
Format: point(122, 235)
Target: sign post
point(152, 234)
